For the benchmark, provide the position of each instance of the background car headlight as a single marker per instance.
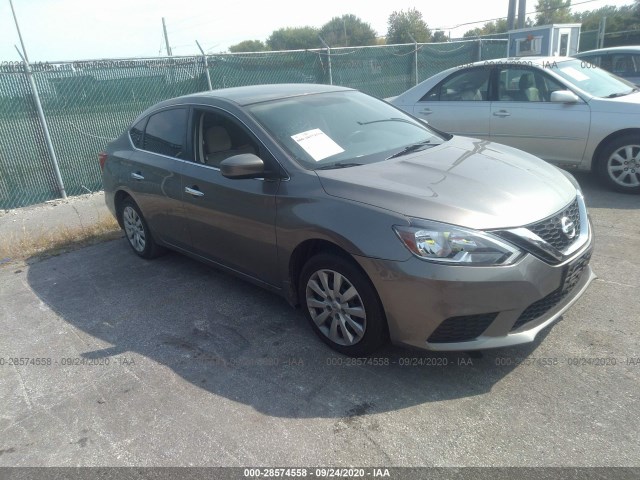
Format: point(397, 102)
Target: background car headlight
point(442, 243)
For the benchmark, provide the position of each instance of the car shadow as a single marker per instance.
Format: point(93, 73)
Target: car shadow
point(241, 342)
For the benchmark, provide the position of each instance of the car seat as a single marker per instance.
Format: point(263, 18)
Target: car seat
point(218, 146)
point(527, 90)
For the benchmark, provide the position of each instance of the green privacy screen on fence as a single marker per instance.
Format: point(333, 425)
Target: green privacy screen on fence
point(88, 103)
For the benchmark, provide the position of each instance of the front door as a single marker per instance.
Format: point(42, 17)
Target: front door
point(232, 221)
point(524, 117)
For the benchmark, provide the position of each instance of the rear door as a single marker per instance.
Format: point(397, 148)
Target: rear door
point(523, 116)
point(154, 170)
point(459, 104)
point(231, 221)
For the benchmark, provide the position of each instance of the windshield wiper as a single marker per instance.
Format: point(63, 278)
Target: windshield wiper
point(413, 148)
point(622, 94)
point(339, 165)
point(392, 119)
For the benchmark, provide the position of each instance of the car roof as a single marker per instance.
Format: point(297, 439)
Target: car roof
point(244, 96)
point(524, 61)
point(627, 49)
point(263, 93)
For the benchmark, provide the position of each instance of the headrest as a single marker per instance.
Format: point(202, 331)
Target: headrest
point(217, 139)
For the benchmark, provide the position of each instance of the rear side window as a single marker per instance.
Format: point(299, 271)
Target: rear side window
point(467, 85)
point(166, 132)
point(136, 132)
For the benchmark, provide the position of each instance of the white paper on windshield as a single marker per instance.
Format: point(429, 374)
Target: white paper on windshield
point(317, 144)
point(577, 75)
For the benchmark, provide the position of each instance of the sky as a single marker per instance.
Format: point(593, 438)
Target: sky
point(58, 30)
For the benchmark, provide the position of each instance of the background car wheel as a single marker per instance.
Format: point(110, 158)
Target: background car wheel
point(137, 231)
point(619, 164)
point(342, 305)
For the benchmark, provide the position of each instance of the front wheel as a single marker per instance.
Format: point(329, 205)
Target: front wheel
point(619, 164)
point(137, 231)
point(342, 305)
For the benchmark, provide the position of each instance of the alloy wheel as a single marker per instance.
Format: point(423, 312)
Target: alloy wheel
point(623, 166)
point(134, 229)
point(336, 307)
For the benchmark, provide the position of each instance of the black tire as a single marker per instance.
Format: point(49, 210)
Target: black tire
point(337, 326)
point(612, 163)
point(137, 231)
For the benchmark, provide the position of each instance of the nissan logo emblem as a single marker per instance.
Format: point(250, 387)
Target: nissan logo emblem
point(568, 227)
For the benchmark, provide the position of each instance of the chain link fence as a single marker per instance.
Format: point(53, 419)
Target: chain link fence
point(589, 40)
point(88, 103)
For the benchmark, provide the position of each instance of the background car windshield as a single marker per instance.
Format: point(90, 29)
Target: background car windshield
point(340, 127)
point(592, 79)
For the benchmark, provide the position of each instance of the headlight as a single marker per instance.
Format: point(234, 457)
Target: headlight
point(442, 243)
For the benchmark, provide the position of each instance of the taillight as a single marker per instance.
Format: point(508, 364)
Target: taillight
point(102, 158)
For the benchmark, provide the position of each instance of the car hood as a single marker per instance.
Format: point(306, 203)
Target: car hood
point(468, 182)
point(625, 104)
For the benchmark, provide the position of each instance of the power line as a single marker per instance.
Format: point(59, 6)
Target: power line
point(527, 13)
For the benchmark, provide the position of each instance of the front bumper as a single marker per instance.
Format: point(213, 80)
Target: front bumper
point(454, 308)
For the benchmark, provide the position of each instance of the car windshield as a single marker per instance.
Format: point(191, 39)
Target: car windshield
point(592, 79)
point(342, 129)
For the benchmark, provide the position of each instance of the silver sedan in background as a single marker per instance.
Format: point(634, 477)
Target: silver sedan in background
point(565, 111)
point(622, 61)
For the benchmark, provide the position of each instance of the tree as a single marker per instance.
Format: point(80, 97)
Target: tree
point(553, 11)
point(403, 24)
point(297, 38)
point(439, 36)
point(618, 18)
point(489, 28)
point(248, 46)
point(347, 31)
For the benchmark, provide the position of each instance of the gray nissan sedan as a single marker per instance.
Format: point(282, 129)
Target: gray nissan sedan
point(379, 227)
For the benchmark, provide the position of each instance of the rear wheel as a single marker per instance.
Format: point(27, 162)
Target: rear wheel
point(342, 305)
point(137, 231)
point(619, 164)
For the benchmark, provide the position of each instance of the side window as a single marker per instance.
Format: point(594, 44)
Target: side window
point(604, 62)
point(165, 132)
point(136, 133)
point(592, 59)
point(622, 64)
point(467, 85)
point(526, 85)
point(218, 137)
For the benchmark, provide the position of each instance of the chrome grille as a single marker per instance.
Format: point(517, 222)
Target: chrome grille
point(550, 229)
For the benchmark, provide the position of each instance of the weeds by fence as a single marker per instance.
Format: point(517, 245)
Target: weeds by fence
point(88, 103)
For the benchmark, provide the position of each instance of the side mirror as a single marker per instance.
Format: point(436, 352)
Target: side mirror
point(245, 165)
point(564, 96)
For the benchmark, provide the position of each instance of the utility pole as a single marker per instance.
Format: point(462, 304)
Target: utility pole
point(522, 13)
point(511, 16)
point(36, 100)
point(166, 38)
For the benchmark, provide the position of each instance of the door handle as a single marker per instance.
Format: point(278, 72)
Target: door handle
point(426, 111)
point(137, 176)
point(502, 113)
point(194, 191)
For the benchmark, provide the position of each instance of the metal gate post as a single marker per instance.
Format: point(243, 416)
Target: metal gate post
point(36, 99)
